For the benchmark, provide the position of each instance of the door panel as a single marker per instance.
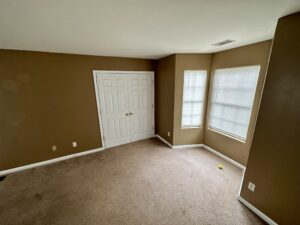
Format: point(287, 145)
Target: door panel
point(141, 103)
point(113, 107)
point(126, 106)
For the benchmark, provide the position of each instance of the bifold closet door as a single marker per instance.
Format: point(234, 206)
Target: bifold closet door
point(126, 107)
point(141, 105)
point(113, 96)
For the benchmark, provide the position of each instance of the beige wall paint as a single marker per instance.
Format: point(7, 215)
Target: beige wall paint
point(169, 87)
point(164, 97)
point(254, 54)
point(52, 96)
point(187, 62)
point(49, 99)
point(274, 156)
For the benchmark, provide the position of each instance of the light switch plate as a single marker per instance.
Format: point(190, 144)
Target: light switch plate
point(54, 148)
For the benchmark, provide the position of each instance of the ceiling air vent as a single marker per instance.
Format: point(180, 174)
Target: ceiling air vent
point(225, 42)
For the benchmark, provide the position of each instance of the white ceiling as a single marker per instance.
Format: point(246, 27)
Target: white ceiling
point(137, 28)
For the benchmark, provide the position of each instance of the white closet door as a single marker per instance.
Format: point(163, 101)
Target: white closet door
point(113, 96)
point(141, 106)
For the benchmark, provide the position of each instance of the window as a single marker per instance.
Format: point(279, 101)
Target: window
point(232, 99)
point(193, 98)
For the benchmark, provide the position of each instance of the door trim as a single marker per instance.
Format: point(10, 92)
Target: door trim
point(99, 72)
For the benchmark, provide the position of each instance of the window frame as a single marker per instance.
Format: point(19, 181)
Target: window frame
point(220, 131)
point(203, 101)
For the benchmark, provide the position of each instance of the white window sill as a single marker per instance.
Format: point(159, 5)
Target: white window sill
point(191, 127)
point(227, 135)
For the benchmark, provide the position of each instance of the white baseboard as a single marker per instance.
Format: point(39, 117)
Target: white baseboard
point(178, 146)
point(203, 146)
point(43, 163)
point(259, 213)
point(187, 146)
point(164, 141)
point(245, 202)
point(224, 157)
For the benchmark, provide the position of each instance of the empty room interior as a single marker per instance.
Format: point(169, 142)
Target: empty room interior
point(149, 112)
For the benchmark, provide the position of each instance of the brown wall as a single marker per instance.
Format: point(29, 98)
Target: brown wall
point(164, 97)
point(49, 99)
point(187, 62)
point(254, 54)
point(274, 157)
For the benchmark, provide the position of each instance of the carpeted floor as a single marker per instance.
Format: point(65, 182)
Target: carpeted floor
point(139, 183)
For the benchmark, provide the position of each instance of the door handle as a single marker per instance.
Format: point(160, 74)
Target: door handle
point(130, 114)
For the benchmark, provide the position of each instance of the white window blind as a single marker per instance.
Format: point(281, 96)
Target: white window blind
point(193, 98)
point(232, 99)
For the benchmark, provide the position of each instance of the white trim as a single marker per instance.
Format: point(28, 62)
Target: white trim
point(101, 72)
point(178, 146)
point(245, 202)
point(164, 141)
point(153, 102)
point(220, 131)
point(191, 127)
point(187, 146)
point(224, 157)
point(242, 182)
point(43, 163)
point(203, 101)
point(98, 107)
point(203, 146)
point(259, 213)
point(224, 133)
point(120, 71)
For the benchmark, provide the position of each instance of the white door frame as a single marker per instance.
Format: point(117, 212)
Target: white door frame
point(99, 72)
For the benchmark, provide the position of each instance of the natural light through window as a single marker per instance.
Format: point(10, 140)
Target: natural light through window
point(232, 99)
point(193, 98)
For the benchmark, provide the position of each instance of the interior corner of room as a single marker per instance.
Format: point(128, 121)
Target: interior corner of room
point(170, 74)
point(233, 111)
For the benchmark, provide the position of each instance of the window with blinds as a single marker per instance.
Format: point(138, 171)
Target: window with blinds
point(193, 98)
point(232, 99)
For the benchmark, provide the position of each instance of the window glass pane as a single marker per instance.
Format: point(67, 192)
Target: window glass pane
point(232, 98)
point(185, 120)
point(193, 97)
point(196, 119)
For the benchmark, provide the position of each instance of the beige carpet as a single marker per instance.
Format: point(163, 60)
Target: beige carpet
point(140, 183)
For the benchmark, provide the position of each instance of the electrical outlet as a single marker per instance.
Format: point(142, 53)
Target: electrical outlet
point(169, 134)
point(251, 186)
point(74, 144)
point(54, 148)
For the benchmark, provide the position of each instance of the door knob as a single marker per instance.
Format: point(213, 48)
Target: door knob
point(130, 114)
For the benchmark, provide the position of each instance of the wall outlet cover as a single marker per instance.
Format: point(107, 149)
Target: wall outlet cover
point(54, 148)
point(251, 186)
point(74, 144)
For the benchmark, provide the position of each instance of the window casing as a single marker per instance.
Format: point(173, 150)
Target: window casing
point(193, 98)
point(232, 99)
